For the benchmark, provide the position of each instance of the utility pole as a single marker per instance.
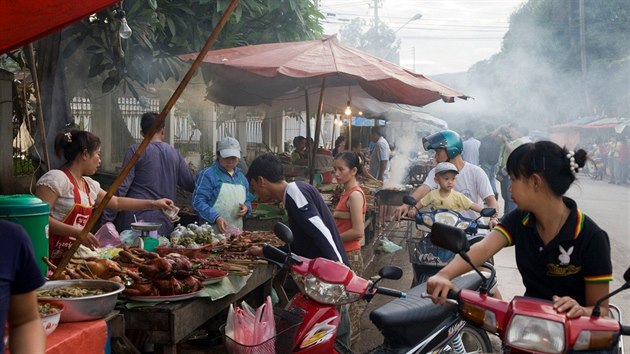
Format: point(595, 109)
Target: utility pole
point(377, 4)
point(587, 98)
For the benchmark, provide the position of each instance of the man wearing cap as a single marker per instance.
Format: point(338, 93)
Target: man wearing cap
point(221, 195)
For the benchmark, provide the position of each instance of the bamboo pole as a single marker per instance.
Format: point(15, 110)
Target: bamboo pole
point(147, 139)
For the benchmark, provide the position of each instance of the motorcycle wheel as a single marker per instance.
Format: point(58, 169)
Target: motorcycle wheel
point(476, 340)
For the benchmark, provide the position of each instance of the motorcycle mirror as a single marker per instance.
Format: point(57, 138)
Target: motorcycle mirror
point(626, 275)
point(283, 232)
point(409, 200)
point(488, 212)
point(449, 237)
point(390, 272)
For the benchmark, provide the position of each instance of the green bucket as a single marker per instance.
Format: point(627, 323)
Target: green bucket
point(32, 213)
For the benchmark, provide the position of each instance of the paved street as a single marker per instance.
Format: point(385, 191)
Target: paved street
point(607, 204)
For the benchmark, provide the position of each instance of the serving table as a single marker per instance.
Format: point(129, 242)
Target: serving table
point(166, 324)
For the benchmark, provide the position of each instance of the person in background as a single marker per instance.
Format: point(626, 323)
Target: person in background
point(340, 145)
point(157, 174)
point(471, 148)
point(71, 194)
point(624, 160)
point(613, 155)
point(379, 158)
point(562, 255)
point(349, 217)
point(489, 152)
point(299, 150)
point(512, 138)
point(221, 195)
point(19, 278)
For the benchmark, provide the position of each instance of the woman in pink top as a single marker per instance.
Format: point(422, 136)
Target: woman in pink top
point(349, 216)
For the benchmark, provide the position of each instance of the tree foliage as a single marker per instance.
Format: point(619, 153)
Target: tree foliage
point(379, 40)
point(537, 77)
point(162, 30)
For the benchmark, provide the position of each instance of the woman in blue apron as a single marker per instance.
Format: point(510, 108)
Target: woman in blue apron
point(221, 195)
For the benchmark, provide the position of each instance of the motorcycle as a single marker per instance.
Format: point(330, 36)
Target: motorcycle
point(527, 324)
point(324, 286)
point(426, 258)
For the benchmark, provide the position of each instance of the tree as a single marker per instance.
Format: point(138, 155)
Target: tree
point(377, 40)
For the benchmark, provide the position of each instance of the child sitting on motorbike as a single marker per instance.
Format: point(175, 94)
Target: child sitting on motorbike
point(445, 197)
point(562, 255)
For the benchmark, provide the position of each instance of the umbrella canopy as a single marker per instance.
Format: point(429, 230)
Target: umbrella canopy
point(23, 21)
point(258, 74)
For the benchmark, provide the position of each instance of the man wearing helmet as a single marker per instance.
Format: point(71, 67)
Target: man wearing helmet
point(471, 181)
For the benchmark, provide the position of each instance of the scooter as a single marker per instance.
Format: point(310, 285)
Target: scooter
point(426, 258)
point(324, 285)
point(527, 324)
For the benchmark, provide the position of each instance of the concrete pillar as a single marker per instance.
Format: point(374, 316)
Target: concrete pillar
point(241, 129)
point(102, 127)
point(6, 131)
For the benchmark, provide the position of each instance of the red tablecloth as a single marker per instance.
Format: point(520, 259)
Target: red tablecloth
point(78, 337)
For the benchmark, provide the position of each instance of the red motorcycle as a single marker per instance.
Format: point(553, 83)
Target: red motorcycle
point(324, 285)
point(527, 324)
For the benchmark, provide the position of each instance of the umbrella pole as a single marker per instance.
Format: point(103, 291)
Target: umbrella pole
point(332, 137)
point(318, 127)
point(96, 214)
point(308, 130)
point(40, 113)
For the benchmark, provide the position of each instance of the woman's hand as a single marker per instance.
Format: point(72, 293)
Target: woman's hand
point(568, 305)
point(222, 224)
point(242, 210)
point(163, 203)
point(438, 287)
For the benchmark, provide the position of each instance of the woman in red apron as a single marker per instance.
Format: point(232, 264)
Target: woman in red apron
point(71, 194)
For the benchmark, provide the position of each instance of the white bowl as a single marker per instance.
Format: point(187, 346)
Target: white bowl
point(51, 321)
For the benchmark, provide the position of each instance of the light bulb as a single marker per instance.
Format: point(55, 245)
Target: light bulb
point(348, 111)
point(360, 113)
point(125, 31)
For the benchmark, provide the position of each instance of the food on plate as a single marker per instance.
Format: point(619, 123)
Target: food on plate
point(47, 308)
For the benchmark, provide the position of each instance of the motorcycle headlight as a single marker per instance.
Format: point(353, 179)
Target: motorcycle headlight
point(324, 292)
point(446, 218)
point(463, 225)
point(427, 220)
point(595, 340)
point(536, 334)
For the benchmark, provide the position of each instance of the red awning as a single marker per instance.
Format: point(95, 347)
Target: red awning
point(23, 21)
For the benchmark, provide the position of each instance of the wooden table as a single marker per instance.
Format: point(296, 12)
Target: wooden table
point(168, 323)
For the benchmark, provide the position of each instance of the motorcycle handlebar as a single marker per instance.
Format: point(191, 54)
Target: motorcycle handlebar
point(625, 330)
point(391, 292)
point(482, 226)
point(274, 253)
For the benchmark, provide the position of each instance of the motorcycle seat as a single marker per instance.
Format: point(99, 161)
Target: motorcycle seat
point(414, 309)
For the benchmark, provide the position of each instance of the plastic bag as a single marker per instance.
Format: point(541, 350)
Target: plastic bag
point(265, 326)
point(108, 236)
point(248, 328)
point(388, 246)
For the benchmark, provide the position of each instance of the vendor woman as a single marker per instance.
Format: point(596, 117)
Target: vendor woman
point(221, 195)
point(71, 194)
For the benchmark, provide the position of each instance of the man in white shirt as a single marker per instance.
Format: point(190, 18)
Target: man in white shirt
point(380, 155)
point(471, 148)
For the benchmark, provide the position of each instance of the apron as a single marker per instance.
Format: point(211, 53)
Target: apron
point(228, 203)
point(78, 216)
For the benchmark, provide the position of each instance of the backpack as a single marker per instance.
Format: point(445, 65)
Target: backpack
point(489, 150)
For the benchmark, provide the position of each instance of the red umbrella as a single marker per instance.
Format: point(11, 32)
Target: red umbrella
point(23, 21)
point(252, 75)
point(259, 74)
